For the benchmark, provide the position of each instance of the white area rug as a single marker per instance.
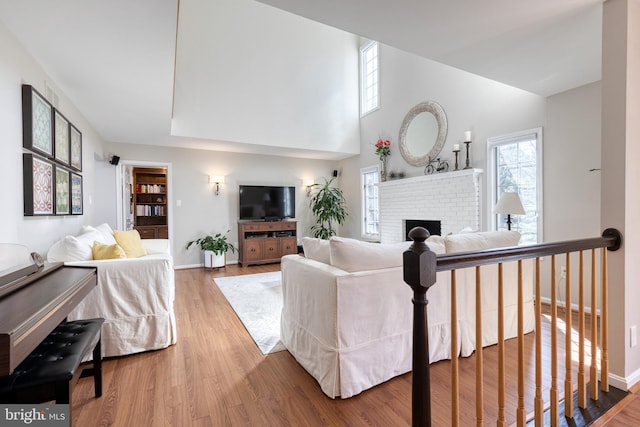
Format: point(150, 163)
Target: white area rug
point(257, 300)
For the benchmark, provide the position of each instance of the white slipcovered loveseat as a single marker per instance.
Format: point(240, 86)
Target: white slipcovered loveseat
point(135, 295)
point(347, 312)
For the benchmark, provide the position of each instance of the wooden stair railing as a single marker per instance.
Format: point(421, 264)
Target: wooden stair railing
point(420, 267)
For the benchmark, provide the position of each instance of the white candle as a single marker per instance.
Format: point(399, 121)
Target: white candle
point(467, 136)
point(456, 147)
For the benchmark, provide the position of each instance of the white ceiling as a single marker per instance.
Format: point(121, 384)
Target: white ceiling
point(542, 46)
point(122, 51)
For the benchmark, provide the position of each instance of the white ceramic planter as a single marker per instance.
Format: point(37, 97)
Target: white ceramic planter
point(211, 260)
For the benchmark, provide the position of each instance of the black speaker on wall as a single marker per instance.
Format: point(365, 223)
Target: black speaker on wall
point(114, 160)
point(335, 173)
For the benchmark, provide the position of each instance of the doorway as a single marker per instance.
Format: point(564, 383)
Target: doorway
point(145, 203)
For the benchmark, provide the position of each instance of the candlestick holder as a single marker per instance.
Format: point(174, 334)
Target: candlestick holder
point(468, 166)
point(456, 152)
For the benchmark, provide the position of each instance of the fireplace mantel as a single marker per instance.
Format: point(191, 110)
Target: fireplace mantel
point(450, 197)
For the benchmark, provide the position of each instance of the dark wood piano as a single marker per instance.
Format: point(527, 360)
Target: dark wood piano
point(33, 305)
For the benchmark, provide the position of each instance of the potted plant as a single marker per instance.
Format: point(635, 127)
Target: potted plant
point(328, 207)
point(215, 248)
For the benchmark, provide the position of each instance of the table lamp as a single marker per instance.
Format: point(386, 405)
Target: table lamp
point(509, 204)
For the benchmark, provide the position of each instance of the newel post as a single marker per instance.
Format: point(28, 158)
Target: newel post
point(420, 273)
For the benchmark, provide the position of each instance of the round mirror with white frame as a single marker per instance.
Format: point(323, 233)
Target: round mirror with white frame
point(422, 133)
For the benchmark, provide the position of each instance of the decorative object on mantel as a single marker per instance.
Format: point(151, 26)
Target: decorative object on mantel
point(436, 165)
point(422, 133)
point(509, 204)
point(383, 150)
point(396, 175)
point(51, 185)
point(467, 141)
point(456, 151)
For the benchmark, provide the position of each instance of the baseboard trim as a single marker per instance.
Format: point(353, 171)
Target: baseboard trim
point(201, 265)
point(574, 307)
point(625, 383)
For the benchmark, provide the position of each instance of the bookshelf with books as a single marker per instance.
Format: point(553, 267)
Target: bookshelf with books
point(150, 202)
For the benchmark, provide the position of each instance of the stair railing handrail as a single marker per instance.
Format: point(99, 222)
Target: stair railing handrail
point(420, 265)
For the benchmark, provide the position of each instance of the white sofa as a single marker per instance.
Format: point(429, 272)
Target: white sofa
point(135, 296)
point(347, 312)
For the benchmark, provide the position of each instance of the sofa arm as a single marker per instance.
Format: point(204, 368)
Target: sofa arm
point(309, 296)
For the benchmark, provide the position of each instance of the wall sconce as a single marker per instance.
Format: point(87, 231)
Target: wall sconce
point(509, 204)
point(309, 184)
point(217, 180)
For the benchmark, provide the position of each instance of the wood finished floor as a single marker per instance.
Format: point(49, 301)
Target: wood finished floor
point(216, 376)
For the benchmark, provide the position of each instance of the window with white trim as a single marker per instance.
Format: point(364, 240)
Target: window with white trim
point(515, 165)
point(369, 179)
point(369, 77)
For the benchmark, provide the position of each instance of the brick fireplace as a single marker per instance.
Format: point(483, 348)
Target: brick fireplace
point(453, 198)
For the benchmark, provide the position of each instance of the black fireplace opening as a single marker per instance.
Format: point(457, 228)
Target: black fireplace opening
point(432, 226)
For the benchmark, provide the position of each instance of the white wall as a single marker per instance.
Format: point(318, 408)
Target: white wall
point(571, 188)
point(485, 107)
point(571, 150)
point(201, 212)
point(37, 233)
point(620, 206)
point(250, 73)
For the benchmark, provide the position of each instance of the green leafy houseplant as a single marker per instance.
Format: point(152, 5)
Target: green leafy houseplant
point(328, 207)
point(217, 243)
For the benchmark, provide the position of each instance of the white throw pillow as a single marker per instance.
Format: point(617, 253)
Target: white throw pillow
point(316, 249)
point(356, 255)
point(106, 233)
point(467, 230)
point(479, 241)
point(436, 244)
point(69, 248)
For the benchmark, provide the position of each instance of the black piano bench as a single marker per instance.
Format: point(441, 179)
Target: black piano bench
point(51, 370)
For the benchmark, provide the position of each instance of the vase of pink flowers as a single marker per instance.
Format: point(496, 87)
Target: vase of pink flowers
point(383, 150)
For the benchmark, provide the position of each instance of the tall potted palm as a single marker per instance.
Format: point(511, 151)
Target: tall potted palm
point(328, 206)
point(215, 248)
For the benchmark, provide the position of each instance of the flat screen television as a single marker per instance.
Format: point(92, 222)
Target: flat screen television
point(267, 203)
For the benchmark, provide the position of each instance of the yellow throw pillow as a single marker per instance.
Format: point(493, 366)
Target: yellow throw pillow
point(130, 242)
point(102, 251)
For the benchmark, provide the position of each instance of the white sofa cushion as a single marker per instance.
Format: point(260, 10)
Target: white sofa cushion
point(436, 244)
point(465, 242)
point(356, 255)
point(317, 249)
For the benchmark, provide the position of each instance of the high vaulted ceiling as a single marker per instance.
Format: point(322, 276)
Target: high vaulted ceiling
point(115, 59)
point(542, 46)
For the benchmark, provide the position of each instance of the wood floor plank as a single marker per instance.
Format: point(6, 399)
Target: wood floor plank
point(216, 376)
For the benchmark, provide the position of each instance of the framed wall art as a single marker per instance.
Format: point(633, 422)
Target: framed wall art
point(76, 148)
point(37, 122)
point(63, 197)
point(37, 185)
point(61, 138)
point(76, 194)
